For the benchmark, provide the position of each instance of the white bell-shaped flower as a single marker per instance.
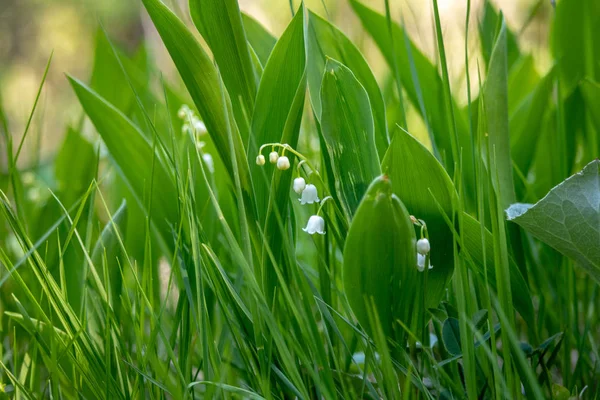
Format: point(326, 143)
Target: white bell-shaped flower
point(208, 160)
point(260, 159)
point(423, 246)
point(309, 195)
point(316, 224)
point(299, 185)
point(183, 111)
point(283, 163)
point(421, 262)
point(273, 157)
point(199, 126)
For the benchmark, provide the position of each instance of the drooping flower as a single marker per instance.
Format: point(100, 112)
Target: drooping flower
point(273, 157)
point(316, 224)
point(283, 163)
point(421, 262)
point(199, 126)
point(299, 185)
point(208, 160)
point(423, 246)
point(309, 195)
point(183, 111)
point(260, 159)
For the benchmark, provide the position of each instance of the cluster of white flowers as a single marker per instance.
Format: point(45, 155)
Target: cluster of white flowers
point(307, 191)
point(192, 125)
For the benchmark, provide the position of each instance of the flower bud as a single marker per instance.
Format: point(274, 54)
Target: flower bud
point(299, 185)
point(316, 224)
point(423, 246)
point(260, 159)
point(273, 157)
point(283, 163)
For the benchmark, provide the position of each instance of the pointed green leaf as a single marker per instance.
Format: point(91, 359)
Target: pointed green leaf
point(206, 89)
point(260, 39)
point(421, 182)
point(220, 24)
point(326, 41)
point(134, 156)
point(426, 93)
point(488, 27)
point(347, 124)
point(277, 107)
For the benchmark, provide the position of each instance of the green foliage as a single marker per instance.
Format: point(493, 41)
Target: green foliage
point(159, 255)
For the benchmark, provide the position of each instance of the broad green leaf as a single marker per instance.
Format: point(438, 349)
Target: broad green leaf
point(347, 124)
point(380, 260)
point(426, 94)
point(207, 91)
point(220, 24)
point(496, 111)
point(261, 40)
point(134, 156)
point(422, 184)
point(283, 80)
point(326, 41)
point(568, 218)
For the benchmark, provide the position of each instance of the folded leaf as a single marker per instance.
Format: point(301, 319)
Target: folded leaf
point(380, 260)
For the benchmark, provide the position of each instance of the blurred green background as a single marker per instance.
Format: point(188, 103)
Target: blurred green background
point(32, 30)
